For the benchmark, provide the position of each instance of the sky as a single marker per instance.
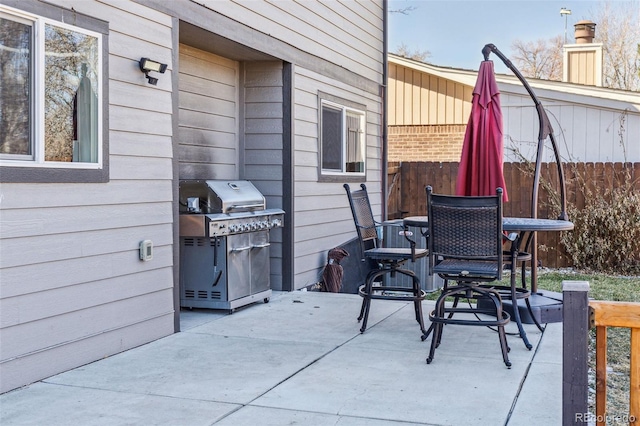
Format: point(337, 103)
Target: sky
point(455, 31)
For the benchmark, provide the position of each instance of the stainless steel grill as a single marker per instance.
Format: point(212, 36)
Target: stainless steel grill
point(224, 244)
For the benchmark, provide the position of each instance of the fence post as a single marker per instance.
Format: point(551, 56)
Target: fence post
point(575, 352)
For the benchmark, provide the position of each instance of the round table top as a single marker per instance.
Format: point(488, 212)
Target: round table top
point(535, 224)
point(509, 223)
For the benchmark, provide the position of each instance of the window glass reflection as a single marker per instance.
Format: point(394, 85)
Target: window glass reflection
point(15, 87)
point(70, 101)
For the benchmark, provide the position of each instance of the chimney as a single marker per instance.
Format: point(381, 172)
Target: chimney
point(582, 62)
point(585, 32)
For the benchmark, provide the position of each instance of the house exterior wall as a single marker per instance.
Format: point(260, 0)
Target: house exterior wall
point(600, 127)
point(69, 260)
point(262, 149)
point(73, 289)
point(322, 214)
point(333, 47)
point(419, 99)
point(587, 131)
point(208, 117)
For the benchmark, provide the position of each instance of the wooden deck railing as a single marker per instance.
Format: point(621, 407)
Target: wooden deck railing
point(604, 314)
point(578, 315)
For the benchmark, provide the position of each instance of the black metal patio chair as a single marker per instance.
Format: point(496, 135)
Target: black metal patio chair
point(384, 260)
point(466, 247)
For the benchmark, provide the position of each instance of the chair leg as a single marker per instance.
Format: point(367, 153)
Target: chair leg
point(494, 296)
point(436, 327)
point(426, 334)
point(432, 327)
point(503, 345)
point(417, 291)
point(366, 301)
point(437, 331)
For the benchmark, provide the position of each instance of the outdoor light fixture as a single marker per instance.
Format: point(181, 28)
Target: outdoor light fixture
point(147, 65)
point(565, 12)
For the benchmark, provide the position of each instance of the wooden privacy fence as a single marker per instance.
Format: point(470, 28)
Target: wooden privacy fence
point(407, 197)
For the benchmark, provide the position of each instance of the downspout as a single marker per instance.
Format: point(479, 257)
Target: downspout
point(383, 95)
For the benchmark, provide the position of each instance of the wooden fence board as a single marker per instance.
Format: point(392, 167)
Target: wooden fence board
point(409, 199)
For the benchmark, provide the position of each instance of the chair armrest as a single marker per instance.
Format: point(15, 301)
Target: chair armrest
point(513, 237)
point(399, 224)
point(393, 222)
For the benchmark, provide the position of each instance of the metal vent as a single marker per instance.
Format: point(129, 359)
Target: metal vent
point(198, 242)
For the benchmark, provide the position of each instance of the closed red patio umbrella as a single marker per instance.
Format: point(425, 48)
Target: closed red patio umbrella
point(480, 171)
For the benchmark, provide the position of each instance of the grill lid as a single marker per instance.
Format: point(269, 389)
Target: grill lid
point(219, 196)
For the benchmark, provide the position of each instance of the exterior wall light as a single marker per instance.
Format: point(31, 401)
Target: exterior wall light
point(147, 65)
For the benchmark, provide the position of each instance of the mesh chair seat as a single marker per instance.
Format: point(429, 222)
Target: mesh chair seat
point(461, 268)
point(390, 254)
point(388, 260)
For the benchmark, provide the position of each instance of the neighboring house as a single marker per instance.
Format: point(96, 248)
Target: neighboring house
point(429, 106)
point(91, 154)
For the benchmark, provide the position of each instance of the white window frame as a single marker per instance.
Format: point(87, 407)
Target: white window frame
point(37, 158)
point(344, 110)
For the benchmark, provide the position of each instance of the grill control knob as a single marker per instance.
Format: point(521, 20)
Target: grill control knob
point(254, 226)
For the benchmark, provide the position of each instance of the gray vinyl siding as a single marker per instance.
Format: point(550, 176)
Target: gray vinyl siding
point(322, 214)
point(73, 288)
point(208, 102)
point(262, 145)
point(349, 33)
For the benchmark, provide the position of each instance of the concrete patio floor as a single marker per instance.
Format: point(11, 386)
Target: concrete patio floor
point(300, 359)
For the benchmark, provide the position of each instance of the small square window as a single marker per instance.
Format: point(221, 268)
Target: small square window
point(342, 140)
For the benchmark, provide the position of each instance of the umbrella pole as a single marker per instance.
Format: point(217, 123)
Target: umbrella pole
point(545, 131)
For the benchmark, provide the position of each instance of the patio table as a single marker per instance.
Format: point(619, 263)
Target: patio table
point(531, 225)
point(526, 226)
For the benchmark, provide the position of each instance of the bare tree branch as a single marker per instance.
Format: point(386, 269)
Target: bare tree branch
point(616, 28)
point(540, 59)
point(405, 10)
point(416, 55)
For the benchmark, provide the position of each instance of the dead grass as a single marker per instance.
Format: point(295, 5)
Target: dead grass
point(605, 287)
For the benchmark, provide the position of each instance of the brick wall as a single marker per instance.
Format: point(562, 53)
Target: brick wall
point(425, 143)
